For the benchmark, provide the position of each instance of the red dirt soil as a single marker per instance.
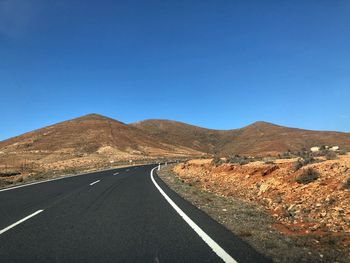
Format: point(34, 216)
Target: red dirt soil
point(320, 207)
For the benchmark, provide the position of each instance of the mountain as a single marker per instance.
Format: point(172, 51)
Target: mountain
point(92, 134)
point(259, 138)
point(200, 139)
point(95, 138)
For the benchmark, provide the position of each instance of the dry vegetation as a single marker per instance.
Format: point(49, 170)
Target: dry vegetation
point(94, 141)
point(310, 203)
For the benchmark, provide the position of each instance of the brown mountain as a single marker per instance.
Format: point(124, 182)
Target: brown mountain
point(95, 141)
point(95, 137)
point(258, 138)
point(90, 134)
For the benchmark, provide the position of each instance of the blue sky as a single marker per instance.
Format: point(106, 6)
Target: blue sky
point(217, 64)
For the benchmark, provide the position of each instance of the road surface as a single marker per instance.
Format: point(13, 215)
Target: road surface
point(120, 215)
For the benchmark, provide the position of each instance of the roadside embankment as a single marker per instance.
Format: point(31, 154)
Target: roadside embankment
point(284, 213)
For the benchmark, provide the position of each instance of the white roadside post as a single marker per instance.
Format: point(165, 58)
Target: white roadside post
point(158, 166)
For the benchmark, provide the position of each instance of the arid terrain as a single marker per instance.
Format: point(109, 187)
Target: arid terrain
point(259, 138)
point(286, 195)
point(308, 203)
point(89, 142)
point(95, 142)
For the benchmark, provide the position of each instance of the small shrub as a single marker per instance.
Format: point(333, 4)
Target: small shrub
point(236, 159)
point(9, 173)
point(308, 176)
point(297, 165)
point(302, 162)
point(342, 152)
point(268, 160)
point(317, 154)
point(278, 199)
point(331, 156)
point(19, 179)
point(309, 160)
point(70, 170)
point(289, 213)
point(285, 155)
point(346, 185)
point(332, 200)
point(303, 154)
point(217, 161)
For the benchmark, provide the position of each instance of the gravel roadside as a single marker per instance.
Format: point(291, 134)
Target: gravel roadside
point(252, 224)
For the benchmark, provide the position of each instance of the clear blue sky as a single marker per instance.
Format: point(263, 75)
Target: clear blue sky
point(217, 64)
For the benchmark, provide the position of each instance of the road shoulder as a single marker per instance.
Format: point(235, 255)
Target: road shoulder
point(240, 250)
point(245, 220)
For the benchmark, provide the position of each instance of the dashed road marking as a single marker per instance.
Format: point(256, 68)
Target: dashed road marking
point(20, 221)
point(95, 182)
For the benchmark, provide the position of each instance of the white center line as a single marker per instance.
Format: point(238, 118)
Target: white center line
point(205, 237)
point(115, 173)
point(95, 182)
point(20, 221)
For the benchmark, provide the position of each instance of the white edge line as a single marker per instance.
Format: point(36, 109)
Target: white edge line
point(95, 182)
point(115, 173)
point(206, 238)
point(20, 221)
point(39, 182)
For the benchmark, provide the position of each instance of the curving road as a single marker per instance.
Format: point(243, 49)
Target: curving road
point(121, 215)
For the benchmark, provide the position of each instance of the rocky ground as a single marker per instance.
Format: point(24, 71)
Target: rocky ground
point(309, 215)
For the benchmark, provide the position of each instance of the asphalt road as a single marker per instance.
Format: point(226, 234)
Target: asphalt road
point(111, 216)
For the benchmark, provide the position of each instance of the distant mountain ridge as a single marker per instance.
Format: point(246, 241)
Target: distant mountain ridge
point(259, 138)
point(92, 133)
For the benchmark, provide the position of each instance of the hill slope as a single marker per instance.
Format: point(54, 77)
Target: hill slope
point(86, 135)
point(200, 139)
point(88, 139)
point(258, 138)
point(95, 138)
